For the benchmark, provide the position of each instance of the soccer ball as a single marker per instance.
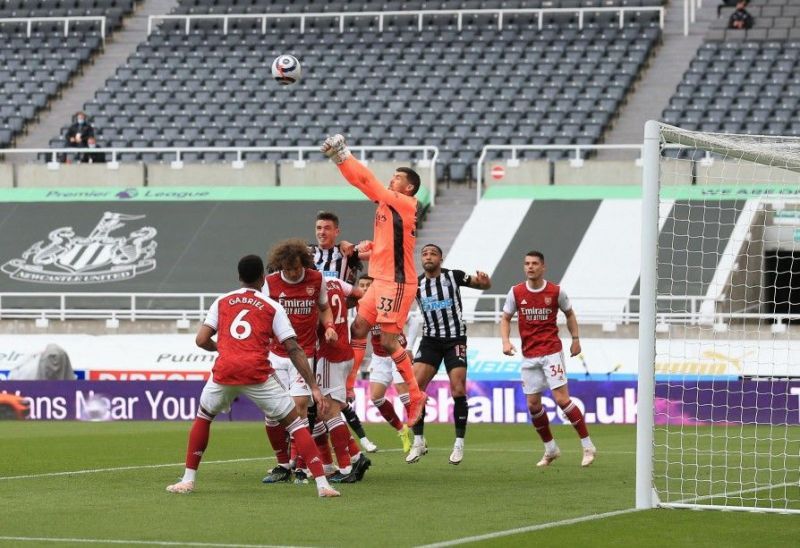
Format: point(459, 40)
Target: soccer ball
point(286, 70)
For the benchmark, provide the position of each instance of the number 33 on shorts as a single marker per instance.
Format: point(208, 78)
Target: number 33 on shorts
point(386, 304)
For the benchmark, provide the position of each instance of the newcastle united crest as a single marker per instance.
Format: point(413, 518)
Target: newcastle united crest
point(100, 257)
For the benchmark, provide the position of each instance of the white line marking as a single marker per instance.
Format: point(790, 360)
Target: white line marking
point(144, 542)
point(528, 529)
point(251, 459)
point(123, 468)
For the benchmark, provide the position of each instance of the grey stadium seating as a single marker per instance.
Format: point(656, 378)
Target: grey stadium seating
point(742, 82)
point(455, 89)
point(34, 69)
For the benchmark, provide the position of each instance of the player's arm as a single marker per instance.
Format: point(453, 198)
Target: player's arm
point(358, 175)
point(572, 323)
point(209, 329)
point(204, 340)
point(364, 249)
point(509, 309)
point(479, 280)
point(326, 314)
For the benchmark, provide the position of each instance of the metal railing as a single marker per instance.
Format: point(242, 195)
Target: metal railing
point(29, 22)
point(193, 306)
point(576, 161)
point(430, 155)
point(502, 15)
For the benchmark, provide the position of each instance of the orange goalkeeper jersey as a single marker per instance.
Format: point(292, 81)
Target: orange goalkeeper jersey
point(395, 235)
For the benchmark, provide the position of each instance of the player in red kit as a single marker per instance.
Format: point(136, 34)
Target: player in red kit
point(537, 302)
point(335, 360)
point(246, 322)
point(391, 264)
point(300, 289)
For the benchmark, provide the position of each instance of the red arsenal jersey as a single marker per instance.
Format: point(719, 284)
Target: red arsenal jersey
point(340, 351)
point(246, 321)
point(300, 300)
point(537, 311)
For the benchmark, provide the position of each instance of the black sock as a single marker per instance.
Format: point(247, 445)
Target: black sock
point(312, 417)
point(419, 428)
point(354, 422)
point(460, 413)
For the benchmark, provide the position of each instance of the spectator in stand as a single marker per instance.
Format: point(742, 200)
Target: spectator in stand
point(740, 19)
point(80, 131)
point(94, 157)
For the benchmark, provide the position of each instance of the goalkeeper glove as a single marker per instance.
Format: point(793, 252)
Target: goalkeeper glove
point(336, 149)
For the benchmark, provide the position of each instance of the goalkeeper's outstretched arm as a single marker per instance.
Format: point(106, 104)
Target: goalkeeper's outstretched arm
point(354, 171)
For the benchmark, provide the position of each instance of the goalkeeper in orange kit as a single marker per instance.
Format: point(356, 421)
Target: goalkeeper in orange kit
point(388, 300)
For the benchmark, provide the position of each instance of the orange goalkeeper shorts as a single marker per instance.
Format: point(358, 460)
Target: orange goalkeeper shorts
point(387, 304)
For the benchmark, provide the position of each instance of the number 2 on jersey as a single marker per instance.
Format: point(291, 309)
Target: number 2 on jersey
point(339, 310)
point(240, 329)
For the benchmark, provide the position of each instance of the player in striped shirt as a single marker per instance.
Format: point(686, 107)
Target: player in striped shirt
point(536, 302)
point(342, 261)
point(246, 322)
point(444, 340)
point(337, 260)
point(389, 298)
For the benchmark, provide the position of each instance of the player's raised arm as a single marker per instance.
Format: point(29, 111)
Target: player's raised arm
point(355, 172)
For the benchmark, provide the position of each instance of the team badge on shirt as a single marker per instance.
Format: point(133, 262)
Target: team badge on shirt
point(548, 301)
point(309, 290)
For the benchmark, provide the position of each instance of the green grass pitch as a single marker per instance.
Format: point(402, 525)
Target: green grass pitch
point(496, 488)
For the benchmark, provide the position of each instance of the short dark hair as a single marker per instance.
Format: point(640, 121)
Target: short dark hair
point(366, 277)
point(285, 253)
point(328, 216)
point(534, 253)
point(251, 268)
point(436, 247)
point(413, 178)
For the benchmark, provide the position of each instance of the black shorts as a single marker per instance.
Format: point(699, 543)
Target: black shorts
point(432, 351)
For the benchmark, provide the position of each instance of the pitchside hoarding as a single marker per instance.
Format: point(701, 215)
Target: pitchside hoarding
point(748, 402)
point(175, 357)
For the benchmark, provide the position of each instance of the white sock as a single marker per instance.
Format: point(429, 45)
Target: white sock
point(419, 440)
point(459, 443)
point(587, 442)
point(355, 457)
point(189, 474)
point(550, 446)
point(364, 440)
point(346, 469)
point(322, 481)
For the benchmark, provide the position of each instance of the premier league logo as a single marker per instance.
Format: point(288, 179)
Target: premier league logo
point(66, 258)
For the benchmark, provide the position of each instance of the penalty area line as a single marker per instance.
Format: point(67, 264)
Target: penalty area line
point(141, 542)
point(528, 529)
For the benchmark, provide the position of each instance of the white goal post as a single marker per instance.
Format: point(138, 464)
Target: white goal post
point(718, 423)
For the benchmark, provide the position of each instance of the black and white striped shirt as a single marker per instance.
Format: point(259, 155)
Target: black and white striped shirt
point(439, 301)
point(333, 264)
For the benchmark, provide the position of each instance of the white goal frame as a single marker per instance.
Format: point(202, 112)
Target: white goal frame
point(654, 133)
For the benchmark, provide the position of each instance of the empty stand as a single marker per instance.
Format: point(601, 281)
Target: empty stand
point(744, 81)
point(456, 89)
point(33, 69)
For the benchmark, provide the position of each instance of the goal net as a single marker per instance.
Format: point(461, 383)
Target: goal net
point(719, 379)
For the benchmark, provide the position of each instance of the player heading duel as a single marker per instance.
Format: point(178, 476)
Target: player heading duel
point(388, 300)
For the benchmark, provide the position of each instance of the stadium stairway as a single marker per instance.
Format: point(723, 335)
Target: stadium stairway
point(118, 48)
point(657, 84)
point(454, 204)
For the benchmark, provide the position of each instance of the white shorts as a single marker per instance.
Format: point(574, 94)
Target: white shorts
point(332, 378)
point(543, 372)
point(288, 376)
point(382, 370)
point(269, 396)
